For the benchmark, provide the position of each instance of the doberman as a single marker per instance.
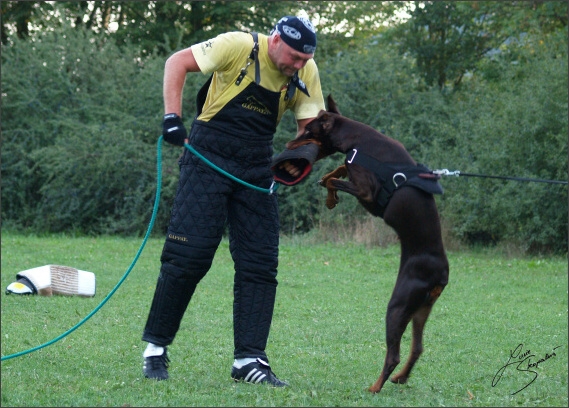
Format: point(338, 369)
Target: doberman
point(389, 184)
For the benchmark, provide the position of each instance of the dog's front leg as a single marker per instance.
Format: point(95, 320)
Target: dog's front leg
point(326, 181)
point(348, 187)
point(340, 172)
point(332, 198)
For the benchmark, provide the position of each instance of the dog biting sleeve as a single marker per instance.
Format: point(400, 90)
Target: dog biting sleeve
point(302, 157)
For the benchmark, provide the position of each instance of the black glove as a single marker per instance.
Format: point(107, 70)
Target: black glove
point(173, 129)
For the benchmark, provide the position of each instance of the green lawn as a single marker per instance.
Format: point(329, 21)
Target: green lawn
point(327, 338)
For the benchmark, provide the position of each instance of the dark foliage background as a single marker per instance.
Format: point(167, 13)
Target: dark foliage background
point(479, 87)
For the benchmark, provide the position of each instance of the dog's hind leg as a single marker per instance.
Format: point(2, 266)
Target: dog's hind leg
point(411, 300)
point(396, 322)
point(419, 320)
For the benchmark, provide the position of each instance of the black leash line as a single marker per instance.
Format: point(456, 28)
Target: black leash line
point(457, 173)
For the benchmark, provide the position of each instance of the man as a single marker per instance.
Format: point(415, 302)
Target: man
point(255, 80)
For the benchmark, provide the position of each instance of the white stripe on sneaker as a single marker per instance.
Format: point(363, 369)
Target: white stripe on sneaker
point(255, 376)
point(253, 371)
point(258, 377)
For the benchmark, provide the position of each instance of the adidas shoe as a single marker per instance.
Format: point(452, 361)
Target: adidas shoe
point(256, 372)
point(156, 367)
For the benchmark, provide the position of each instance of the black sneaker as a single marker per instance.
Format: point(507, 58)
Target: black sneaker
point(156, 367)
point(257, 372)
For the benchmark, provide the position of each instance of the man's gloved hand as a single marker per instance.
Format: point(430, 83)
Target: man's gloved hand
point(173, 129)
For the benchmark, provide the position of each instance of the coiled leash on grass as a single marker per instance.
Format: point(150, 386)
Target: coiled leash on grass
point(111, 293)
point(270, 190)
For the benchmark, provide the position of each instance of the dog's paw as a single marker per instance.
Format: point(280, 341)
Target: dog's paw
point(324, 181)
point(399, 379)
point(374, 389)
point(332, 199)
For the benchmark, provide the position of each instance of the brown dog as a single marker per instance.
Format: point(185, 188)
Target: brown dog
point(390, 184)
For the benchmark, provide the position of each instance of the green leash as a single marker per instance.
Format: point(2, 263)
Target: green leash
point(112, 292)
point(270, 190)
point(274, 186)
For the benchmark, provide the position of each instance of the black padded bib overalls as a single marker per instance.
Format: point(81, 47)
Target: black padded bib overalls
point(239, 139)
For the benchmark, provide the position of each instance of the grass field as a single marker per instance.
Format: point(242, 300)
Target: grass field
point(327, 337)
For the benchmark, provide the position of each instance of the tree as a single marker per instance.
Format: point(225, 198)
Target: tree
point(80, 122)
point(17, 16)
point(446, 39)
point(449, 39)
point(167, 26)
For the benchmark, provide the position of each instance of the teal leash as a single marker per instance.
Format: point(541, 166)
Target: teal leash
point(112, 292)
point(269, 190)
point(274, 186)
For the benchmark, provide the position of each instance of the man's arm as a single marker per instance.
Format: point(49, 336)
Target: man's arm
point(175, 70)
point(301, 124)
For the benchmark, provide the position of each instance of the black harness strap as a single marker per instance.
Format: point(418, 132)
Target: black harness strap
point(254, 56)
point(202, 93)
point(294, 83)
point(395, 175)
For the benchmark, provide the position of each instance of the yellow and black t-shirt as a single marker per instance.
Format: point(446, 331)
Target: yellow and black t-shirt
point(225, 56)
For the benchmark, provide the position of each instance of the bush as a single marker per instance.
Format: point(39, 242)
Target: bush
point(80, 124)
point(515, 126)
point(81, 117)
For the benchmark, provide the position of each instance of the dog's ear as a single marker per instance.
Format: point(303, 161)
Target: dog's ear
point(332, 107)
point(326, 122)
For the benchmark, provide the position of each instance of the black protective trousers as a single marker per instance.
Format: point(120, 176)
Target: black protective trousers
point(206, 201)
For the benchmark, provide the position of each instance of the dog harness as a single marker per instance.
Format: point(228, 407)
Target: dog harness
point(393, 176)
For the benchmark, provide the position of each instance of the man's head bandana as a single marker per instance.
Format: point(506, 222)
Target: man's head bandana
point(298, 33)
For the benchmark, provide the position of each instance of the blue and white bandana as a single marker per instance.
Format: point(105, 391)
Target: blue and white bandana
point(298, 33)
